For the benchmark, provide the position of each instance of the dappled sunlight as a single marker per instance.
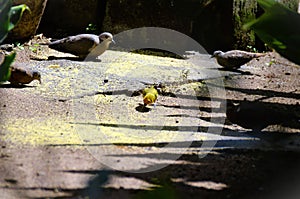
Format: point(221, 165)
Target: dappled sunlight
point(217, 186)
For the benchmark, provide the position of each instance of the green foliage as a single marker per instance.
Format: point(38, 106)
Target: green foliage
point(9, 17)
point(279, 28)
point(252, 49)
point(4, 67)
point(19, 45)
point(34, 48)
point(91, 28)
point(15, 14)
point(5, 6)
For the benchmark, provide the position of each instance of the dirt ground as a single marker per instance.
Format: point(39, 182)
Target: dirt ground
point(235, 168)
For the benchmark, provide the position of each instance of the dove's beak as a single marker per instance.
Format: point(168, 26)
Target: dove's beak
point(113, 41)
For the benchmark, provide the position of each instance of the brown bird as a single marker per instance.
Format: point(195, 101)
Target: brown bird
point(253, 115)
point(20, 74)
point(82, 45)
point(235, 58)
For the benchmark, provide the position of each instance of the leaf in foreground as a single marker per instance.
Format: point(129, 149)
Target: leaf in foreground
point(279, 28)
point(5, 67)
point(15, 14)
point(5, 6)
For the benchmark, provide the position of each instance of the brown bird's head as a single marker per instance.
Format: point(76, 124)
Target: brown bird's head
point(36, 75)
point(107, 36)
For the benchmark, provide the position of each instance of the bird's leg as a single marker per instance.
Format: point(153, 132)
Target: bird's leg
point(154, 105)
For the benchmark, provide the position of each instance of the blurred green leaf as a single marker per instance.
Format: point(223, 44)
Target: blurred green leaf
point(15, 14)
point(5, 6)
point(279, 28)
point(9, 16)
point(5, 67)
point(266, 4)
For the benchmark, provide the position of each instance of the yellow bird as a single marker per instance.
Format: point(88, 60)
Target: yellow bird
point(150, 95)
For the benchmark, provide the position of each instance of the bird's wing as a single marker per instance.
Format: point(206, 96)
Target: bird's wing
point(77, 45)
point(243, 54)
point(229, 61)
point(234, 59)
point(151, 90)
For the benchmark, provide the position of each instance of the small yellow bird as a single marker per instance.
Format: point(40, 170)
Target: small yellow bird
point(150, 95)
